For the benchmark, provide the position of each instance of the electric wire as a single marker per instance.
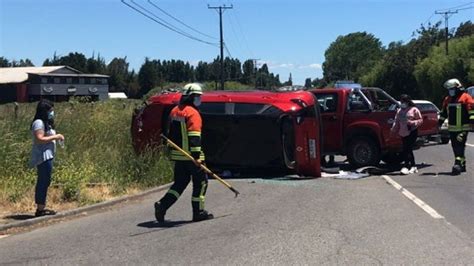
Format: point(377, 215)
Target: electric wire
point(456, 7)
point(179, 21)
point(168, 27)
point(244, 37)
point(227, 50)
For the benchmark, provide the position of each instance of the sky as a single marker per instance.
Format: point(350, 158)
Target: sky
point(290, 36)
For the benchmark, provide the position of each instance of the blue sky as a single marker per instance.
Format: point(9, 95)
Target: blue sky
point(290, 36)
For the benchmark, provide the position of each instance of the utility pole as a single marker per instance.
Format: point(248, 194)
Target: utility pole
point(221, 10)
point(255, 69)
point(446, 17)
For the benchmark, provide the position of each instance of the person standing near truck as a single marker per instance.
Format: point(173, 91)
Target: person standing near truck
point(407, 121)
point(458, 108)
point(185, 126)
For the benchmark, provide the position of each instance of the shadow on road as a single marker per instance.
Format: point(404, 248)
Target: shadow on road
point(170, 224)
point(437, 173)
point(166, 224)
point(19, 217)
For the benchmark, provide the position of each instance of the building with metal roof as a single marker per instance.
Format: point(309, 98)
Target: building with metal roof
point(57, 83)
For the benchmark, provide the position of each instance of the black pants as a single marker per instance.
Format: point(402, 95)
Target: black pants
point(184, 171)
point(458, 142)
point(408, 145)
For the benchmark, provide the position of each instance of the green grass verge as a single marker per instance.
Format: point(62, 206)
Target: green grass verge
point(98, 149)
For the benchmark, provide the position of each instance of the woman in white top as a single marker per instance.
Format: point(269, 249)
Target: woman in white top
point(43, 151)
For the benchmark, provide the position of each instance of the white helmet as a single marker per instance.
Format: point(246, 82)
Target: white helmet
point(452, 84)
point(192, 88)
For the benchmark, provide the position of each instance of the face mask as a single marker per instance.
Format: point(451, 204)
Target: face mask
point(403, 105)
point(197, 101)
point(51, 115)
point(452, 92)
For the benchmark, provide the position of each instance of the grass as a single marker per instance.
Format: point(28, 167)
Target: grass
point(98, 150)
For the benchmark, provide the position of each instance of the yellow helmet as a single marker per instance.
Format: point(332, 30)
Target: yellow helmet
point(192, 88)
point(452, 84)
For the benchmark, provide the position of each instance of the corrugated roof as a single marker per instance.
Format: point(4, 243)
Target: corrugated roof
point(72, 75)
point(20, 74)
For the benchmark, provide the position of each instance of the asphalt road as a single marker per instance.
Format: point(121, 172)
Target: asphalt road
point(277, 221)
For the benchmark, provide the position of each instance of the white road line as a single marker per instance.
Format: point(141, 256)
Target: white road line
point(471, 145)
point(413, 198)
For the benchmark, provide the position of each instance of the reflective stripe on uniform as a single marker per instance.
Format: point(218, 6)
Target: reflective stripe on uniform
point(178, 156)
point(465, 127)
point(195, 149)
point(471, 114)
point(194, 134)
point(184, 132)
point(173, 192)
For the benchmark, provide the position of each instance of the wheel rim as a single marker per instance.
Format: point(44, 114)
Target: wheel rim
point(363, 153)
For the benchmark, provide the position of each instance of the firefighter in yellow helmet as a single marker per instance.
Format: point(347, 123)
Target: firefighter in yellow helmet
point(458, 108)
point(185, 125)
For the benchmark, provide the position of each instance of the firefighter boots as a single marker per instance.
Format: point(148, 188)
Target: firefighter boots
point(202, 215)
point(457, 169)
point(159, 212)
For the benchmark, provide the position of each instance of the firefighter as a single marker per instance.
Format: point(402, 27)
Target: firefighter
point(185, 126)
point(458, 108)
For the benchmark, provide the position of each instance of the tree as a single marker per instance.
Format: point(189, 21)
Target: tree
point(465, 29)
point(4, 62)
point(394, 72)
point(248, 75)
point(434, 70)
point(96, 66)
point(148, 77)
point(117, 69)
point(350, 56)
point(289, 82)
point(307, 83)
point(75, 60)
point(319, 83)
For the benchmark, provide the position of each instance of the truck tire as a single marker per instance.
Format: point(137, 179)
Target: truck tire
point(363, 151)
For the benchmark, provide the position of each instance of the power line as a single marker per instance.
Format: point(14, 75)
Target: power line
point(179, 21)
point(235, 34)
point(242, 32)
point(227, 50)
point(447, 13)
point(166, 26)
point(455, 7)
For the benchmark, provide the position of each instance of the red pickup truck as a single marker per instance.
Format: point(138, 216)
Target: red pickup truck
point(356, 122)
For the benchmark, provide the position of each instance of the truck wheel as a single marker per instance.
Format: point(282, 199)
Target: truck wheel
point(363, 151)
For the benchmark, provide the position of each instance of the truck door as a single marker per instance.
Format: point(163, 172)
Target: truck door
point(331, 116)
point(375, 107)
point(308, 141)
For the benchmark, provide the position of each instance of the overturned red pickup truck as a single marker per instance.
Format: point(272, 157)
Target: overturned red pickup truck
point(247, 132)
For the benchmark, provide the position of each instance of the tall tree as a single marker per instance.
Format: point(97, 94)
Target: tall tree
point(307, 83)
point(349, 56)
point(248, 75)
point(148, 77)
point(96, 66)
point(117, 69)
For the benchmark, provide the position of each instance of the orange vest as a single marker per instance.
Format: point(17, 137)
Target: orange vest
point(185, 126)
